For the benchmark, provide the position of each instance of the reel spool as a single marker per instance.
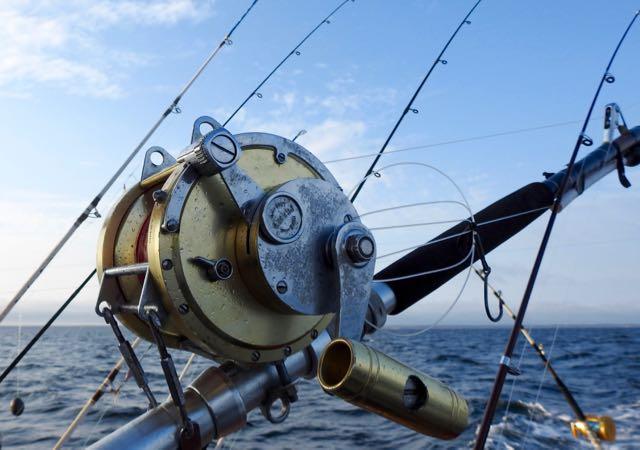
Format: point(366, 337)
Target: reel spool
point(245, 246)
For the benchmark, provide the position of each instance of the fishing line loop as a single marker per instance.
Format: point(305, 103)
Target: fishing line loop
point(486, 271)
point(464, 203)
point(442, 317)
point(586, 140)
point(94, 214)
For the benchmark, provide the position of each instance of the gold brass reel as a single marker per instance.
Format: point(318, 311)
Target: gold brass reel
point(227, 319)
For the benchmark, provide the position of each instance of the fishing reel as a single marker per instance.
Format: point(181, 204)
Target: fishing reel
point(245, 247)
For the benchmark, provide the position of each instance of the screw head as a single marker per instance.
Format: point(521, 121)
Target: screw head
point(281, 158)
point(287, 351)
point(223, 149)
point(167, 264)
point(282, 287)
point(255, 356)
point(314, 333)
point(184, 308)
point(159, 196)
point(172, 225)
point(348, 218)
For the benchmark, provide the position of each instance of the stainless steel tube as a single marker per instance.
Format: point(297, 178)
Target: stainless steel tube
point(218, 400)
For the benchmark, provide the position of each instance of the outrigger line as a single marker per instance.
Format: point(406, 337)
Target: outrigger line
point(504, 366)
point(566, 392)
point(91, 209)
point(409, 106)
point(294, 51)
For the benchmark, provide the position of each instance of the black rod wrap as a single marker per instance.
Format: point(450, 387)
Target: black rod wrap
point(450, 251)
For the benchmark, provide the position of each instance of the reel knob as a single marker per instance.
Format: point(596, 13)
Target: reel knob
point(360, 248)
point(215, 269)
point(217, 151)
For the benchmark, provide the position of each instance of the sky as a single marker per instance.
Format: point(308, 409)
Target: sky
point(82, 80)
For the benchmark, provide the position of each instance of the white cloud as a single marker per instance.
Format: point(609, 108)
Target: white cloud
point(162, 12)
point(60, 43)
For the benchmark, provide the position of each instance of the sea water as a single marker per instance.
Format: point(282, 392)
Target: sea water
point(600, 365)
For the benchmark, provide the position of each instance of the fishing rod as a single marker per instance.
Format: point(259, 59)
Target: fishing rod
point(45, 327)
point(564, 389)
point(97, 395)
point(294, 51)
point(91, 209)
point(254, 92)
point(102, 389)
point(409, 107)
point(582, 139)
point(306, 291)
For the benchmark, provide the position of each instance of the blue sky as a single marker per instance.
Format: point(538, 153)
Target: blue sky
point(81, 81)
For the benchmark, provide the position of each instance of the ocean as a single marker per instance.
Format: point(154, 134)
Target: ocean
point(600, 365)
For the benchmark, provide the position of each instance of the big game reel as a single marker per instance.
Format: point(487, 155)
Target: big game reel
point(246, 250)
point(245, 247)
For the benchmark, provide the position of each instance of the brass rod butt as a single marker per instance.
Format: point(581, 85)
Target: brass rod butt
point(373, 381)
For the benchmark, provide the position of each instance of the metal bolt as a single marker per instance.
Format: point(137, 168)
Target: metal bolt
point(287, 351)
point(281, 158)
point(255, 356)
point(282, 287)
point(159, 196)
point(167, 264)
point(224, 268)
point(314, 333)
point(348, 218)
point(360, 247)
point(184, 308)
point(172, 225)
point(215, 269)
